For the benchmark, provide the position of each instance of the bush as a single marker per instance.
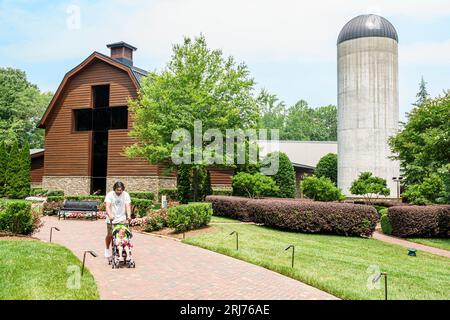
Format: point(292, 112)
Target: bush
point(386, 226)
point(141, 207)
point(419, 221)
point(367, 185)
point(171, 193)
point(285, 176)
point(222, 191)
point(232, 207)
point(327, 167)
point(184, 180)
point(430, 191)
point(156, 220)
point(54, 193)
point(16, 217)
point(142, 195)
point(321, 189)
point(51, 208)
point(190, 216)
point(305, 216)
point(17, 175)
point(254, 185)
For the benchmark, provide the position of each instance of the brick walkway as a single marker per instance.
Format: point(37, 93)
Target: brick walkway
point(167, 269)
point(408, 244)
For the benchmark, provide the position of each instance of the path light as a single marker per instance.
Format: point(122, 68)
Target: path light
point(51, 232)
point(293, 252)
point(377, 278)
point(412, 252)
point(84, 259)
point(237, 239)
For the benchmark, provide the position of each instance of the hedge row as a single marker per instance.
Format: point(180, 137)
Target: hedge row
point(420, 221)
point(142, 195)
point(16, 217)
point(305, 216)
point(171, 193)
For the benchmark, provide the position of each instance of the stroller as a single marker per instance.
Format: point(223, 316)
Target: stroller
point(114, 261)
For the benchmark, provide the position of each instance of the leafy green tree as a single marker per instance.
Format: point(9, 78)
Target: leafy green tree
point(21, 107)
point(321, 189)
point(13, 173)
point(326, 117)
point(198, 84)
point(423, 145)
point(431, 190)
point(184, 174)
point(285, 176)
point(328, 167)
point(369, 186)
point(254, 185)
point(273, 111)
point(4, 157)
point(25, 171)
point(207, 187)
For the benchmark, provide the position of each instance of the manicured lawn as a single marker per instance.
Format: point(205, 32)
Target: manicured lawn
point(218, 219)
point(34, 270)
point(437, 243)
point(338, 265)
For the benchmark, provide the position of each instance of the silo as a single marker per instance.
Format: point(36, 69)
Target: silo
point(368, 107)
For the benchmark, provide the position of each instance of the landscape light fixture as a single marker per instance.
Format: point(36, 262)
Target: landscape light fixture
point(51, 232)
point(377, 278)
point(237, 239)
point(84, 259)
point(398, 180)
point(412, 252)
point(293, 252)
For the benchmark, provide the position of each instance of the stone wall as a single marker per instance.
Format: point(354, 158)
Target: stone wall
point(135, 183)
point(73, 186)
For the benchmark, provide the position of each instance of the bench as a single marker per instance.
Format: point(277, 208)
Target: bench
point(79, 206)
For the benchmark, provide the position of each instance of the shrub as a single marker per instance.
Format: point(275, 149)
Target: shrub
point(232, 207)
point(142, 195)
point(368, 186)
point(51, 208)
point(430, 191)
point(386, 226)
point(184, 180)
point(254, 185)
point(156, 220)
point(54, 193)
point(222, 191)
point(420, 221)
point(305, 216)
point(321, 189)
point(285, 176)
point(16, 217)
point(171, 193)
point(327, 167)
point(190, 216)
point(3, 167)
point(140, 207)
point(17, 180)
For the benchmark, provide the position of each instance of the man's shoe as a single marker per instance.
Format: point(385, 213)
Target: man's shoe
point(107, 253)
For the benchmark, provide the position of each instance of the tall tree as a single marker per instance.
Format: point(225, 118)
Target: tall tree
point(198, 84)
point(273, 111)
point(422, 95)
point(328, 167)
point(4, 157)
point(21, 106)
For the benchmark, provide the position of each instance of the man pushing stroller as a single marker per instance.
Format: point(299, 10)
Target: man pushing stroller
point(118, 210)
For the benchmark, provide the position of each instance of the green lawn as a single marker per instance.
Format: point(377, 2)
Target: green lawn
point(34, 270)
point(438, 243)
point(217, 219)
point(338, 265)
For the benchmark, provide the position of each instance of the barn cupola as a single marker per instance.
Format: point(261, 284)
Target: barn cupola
point(122, 52)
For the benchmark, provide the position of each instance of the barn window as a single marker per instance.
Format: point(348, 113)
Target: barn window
point(83, 119)
point(100, 95)
point(102, 120)
point(119, 117)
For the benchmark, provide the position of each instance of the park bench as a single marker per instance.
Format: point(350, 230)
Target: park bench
point(79, 206)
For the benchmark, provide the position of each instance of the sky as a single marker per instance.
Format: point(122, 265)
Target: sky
point(288, 45)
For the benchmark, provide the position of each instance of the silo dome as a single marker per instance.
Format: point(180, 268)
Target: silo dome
point(367, 25)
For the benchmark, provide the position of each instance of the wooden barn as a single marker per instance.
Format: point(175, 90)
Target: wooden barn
point(86, 130)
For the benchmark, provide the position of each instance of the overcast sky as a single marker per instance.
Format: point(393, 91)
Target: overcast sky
point(289, 46)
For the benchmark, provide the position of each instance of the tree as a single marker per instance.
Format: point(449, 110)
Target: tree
point(4, 157)
point(21, 107)
point(431, 190)
point(422, 95)
point(368, 186)
point(184, 183)
point(285, 176)
point(423, 145)
point(321, 189)
point(254, 185)
point(273, 111)
point(198, 84)
point(25, 171)
point(328, 167)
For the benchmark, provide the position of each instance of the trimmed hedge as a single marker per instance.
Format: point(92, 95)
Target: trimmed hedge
point(140, 207)
point(305, 216)
point(189, 216)
point(222, 191)
point(142, 195)
point(171, 193)
point(420, 221)
point(16, 217)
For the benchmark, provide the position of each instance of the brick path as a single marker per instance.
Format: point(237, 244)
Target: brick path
point(167, 269)
point(408, 244)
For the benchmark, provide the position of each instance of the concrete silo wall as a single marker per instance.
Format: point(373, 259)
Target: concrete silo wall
point(368, 110)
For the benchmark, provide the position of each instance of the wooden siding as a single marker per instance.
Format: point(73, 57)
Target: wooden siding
point(37, 169)
point(221, 176)
point(68, 153)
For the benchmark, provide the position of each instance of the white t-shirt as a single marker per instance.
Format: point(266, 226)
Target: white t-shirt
point(118, 208)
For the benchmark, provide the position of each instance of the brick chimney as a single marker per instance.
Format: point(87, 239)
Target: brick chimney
point(122, 52)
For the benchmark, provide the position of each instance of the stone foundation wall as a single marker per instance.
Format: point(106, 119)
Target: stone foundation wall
point(135, 183)
point(72, 186)
point(167, 182)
